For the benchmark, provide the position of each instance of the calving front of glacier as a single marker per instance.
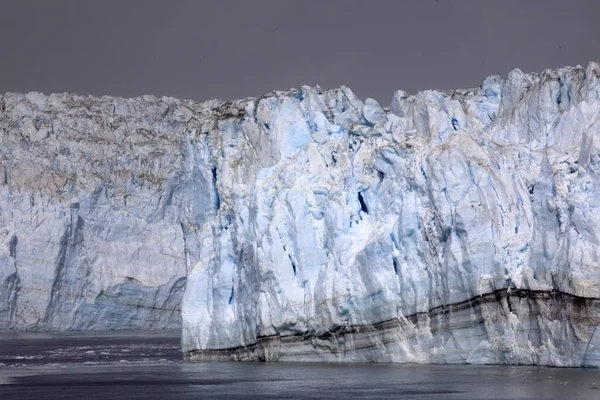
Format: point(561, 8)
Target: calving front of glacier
point(452, 227)
point(93, 192)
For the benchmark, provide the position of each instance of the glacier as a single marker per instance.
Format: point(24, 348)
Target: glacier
point(307, 225)
point(91, 202)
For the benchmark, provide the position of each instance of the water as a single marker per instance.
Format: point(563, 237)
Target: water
point(148, 366)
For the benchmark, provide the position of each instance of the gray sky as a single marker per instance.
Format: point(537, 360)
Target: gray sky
point(232, 49)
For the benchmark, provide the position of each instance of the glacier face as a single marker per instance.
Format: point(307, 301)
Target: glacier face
point(455, 226)
point(451, 227)
point(90, 212)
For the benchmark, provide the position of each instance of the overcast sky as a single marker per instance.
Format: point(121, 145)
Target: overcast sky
point(232, 49)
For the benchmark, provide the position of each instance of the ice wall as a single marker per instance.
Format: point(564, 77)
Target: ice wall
point(454, 227)
point(91, 198)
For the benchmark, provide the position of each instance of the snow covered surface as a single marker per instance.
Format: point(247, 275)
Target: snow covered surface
point(451, 227)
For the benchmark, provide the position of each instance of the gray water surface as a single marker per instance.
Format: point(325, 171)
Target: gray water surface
point(130, 365)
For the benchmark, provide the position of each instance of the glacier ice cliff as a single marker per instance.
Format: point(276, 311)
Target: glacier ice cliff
point(454, 227)
point(91, 197)
point(450, 227)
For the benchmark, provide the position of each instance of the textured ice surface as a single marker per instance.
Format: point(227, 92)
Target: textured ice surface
point(455, 226)
point(91, 201)
point(451, 226)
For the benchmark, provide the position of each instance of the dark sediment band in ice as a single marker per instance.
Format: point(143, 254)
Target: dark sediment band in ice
point(536, 317)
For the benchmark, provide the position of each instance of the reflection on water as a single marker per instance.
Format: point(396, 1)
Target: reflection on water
point(148, 365)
